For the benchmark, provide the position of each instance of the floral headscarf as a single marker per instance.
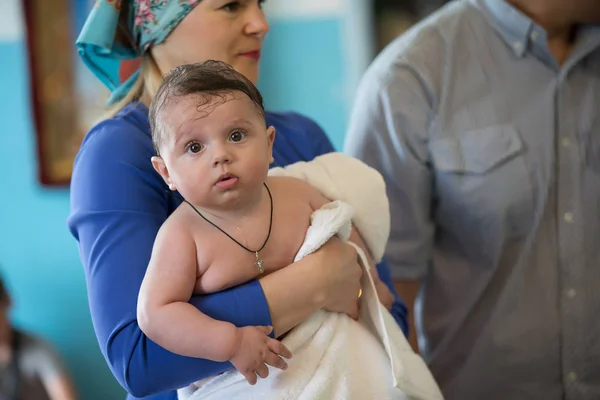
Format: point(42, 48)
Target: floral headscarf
point(151, 21)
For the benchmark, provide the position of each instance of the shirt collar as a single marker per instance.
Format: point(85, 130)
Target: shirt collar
point(514, 27)
point(520, 32)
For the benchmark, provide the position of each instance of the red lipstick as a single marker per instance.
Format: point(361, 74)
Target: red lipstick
point(255, 54)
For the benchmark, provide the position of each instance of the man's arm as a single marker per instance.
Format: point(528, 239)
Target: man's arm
point(389, 130)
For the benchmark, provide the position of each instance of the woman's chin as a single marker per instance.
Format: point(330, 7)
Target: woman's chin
point(249, 71)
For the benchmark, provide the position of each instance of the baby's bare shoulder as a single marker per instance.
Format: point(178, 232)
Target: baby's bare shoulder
point(298, 189)
point(183, 231)
point(288, 183)
point(176, 225)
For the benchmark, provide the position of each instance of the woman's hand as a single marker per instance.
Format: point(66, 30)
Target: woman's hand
point(340, 272)
point(386, 298)
point(328, 278)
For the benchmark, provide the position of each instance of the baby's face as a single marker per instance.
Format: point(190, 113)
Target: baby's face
point(216, 150)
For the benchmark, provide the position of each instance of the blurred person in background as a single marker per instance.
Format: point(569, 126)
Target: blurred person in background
point(118, 201)
point(30, 369)
point(485, 121)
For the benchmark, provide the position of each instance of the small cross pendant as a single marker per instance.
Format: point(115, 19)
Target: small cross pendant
point(259, 264)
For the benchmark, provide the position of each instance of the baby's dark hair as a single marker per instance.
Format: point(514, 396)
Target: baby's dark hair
point(211, 78)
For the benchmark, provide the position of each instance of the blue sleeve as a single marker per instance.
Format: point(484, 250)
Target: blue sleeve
point(118, 204)
point(399, 310)
point(322, 145)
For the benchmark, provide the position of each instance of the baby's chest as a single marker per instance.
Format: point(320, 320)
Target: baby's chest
point(229, 261)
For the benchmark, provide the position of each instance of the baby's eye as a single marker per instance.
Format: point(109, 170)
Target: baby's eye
point(237, 136)
point(194, 148)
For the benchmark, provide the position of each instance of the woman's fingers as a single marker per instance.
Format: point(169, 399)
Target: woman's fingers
point(353, 310)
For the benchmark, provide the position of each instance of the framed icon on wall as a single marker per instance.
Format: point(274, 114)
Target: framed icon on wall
point(66, 99)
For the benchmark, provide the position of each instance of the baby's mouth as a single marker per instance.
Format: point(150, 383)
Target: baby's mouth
point(226, 177)
point(227, 181)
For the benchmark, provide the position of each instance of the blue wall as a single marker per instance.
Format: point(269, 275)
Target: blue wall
point(303, 70)
point(38, 256)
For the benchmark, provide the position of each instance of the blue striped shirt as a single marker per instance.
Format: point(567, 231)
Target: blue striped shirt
point(491, 153)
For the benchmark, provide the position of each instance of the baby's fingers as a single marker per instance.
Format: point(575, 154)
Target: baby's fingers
point(262, 370)
point(250, 377)
point(274, 360)
point(265, 329)
point(279, 348)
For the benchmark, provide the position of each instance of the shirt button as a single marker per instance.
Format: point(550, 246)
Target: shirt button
point(570, 293)
point(534, 36)
point(568, 217)
point(566, 142)
point(518, 46)
point(571, 377)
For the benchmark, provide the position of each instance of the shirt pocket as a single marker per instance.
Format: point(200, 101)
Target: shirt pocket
point(482, 182)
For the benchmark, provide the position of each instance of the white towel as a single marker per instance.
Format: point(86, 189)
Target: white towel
point(340, 177)
point(336, 358)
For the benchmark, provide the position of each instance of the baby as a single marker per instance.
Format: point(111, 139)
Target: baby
point(208, 127)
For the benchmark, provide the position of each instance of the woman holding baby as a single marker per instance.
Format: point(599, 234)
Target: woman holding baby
point(118, 201)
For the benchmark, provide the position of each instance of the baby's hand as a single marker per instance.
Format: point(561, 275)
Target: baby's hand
point(255, 350)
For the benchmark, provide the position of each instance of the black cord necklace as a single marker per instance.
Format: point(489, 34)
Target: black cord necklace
point(259, 262)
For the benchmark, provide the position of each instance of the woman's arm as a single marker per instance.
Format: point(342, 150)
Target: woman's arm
point(312, 133)
point(335, 265)
point(317, 201)
point(118, 204)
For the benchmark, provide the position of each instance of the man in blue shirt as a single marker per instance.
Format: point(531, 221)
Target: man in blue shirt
point(485, 121)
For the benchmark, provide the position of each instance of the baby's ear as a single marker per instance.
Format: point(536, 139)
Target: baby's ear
point(271, 139)
point(159, 166)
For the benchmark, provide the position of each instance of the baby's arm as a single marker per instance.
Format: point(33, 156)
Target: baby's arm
point(167, 318)
point(317, 200)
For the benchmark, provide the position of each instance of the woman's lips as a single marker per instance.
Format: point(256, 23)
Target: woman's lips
point(255, 55)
